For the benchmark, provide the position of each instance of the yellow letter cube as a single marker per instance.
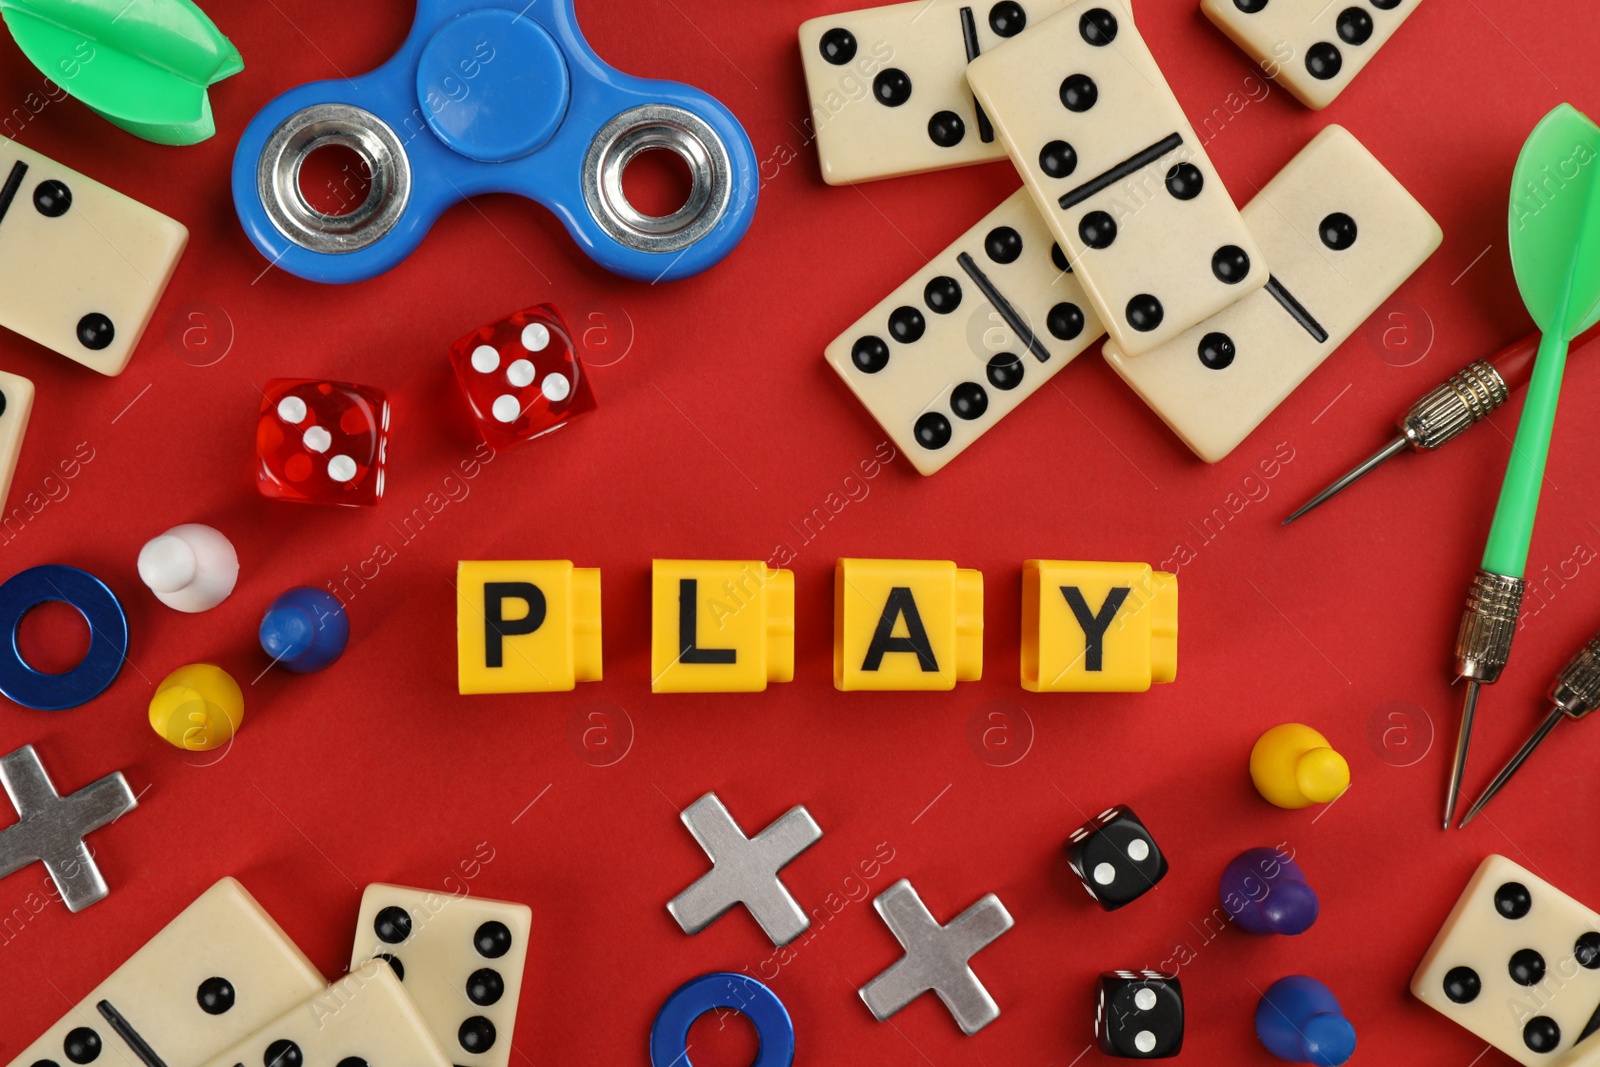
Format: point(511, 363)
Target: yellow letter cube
point(906, 624)
point(526, 626)
point(720, 626)
point(1097, 627)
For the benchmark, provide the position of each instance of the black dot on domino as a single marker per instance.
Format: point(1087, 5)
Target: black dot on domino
point(1586, 950)
point(1007, 19)
point(45, 1063)
point(476, 1035)
point(1355, 26)
point(1079, 93)
point(1338, 231)
point(870, 354)
point(1184, 181)
point(1512, 900)
point(1526, 967)
point(1541, 1034)
point(394, 963)
point(838, 46)
point(1217, 350)
point(1324, 61)
point(1462, 985)
point(892, 87)
point(942, 295)
point(95, 331)
point(353, 1061)
point(214, 995)
point(1003, 245)
point(485, 986)
point(1385, 5)
point(1098, 27)
point(1230, 264)
point(1251, 7)
point(969, 401)
point(1005, 372)
point(1058, 159)
point(82, 1045)
point(283, 1053)
point(52, 198)
point(492, 940)
point(946, 129)
point(392, 925)
point(1065, 321)
point(932, 431)
point(1145, 313)
point(1059, 258)
point(907, 325)
point(1098, 229)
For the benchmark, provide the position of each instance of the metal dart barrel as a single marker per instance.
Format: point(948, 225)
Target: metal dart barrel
point(1464, 400)
point(1483, 646)
point(1576, 693)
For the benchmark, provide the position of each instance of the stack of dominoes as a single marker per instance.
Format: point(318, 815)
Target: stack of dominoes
point(434, 980)
point(1124, 229)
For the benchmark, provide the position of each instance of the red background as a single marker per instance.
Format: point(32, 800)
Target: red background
point(719, 426)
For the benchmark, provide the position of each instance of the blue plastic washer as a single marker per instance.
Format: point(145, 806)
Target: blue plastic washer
point(108, 637)
point(493, 85)
point(669, 1037)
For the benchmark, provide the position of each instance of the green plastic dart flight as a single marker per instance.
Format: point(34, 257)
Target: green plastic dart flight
point(145, 65)
point(1555, 251)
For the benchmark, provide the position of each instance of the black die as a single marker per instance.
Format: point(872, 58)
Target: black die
point(1116, 858)
point(1138, 1015)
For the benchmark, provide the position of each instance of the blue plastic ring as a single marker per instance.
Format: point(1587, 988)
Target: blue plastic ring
point(669, 1037)
point(108, 637)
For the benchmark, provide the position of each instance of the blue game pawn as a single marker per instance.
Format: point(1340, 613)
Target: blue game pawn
point(1299, 1020)
point(1266, 893)
point(305, 629)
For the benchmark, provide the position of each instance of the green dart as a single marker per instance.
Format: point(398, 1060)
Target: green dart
point(144, 65)
point(1555, 252)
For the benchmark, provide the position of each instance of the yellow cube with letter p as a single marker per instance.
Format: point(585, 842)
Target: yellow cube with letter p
point(720, 626)
point(1097, 627)
point(906, 624)
point(526, 626)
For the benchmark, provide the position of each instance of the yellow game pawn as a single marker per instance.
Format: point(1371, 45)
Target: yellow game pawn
point(197, 707)
point(1293, 767)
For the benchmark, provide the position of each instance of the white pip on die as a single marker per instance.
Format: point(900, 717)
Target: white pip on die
point(461, 960)
point(84, 265)
point(1517, 962)
point(213, 975)
point(1342, 234)
point(1118, 173)
point(1315, 48)
point(888, 90)
point(363, 1020)
point(969, 337)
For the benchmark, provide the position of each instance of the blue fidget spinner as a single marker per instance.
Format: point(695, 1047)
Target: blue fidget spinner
point(483, 99)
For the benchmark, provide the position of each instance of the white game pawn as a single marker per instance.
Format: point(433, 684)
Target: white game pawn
point(190, 567)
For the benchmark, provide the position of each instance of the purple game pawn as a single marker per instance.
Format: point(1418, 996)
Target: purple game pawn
point(1266, 893)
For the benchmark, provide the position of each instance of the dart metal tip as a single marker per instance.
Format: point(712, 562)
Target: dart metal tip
point(1367, 466)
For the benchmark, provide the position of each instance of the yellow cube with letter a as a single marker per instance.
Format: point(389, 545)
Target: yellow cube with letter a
point(526, 626)
point(720, 626)
point(1097, 627)
point(906, 624)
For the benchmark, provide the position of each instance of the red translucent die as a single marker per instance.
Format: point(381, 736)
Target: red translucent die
point(321, 442)
point(522, 376)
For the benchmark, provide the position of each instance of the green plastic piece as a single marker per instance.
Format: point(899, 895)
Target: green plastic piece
point(144, 65)
point(1555, 251)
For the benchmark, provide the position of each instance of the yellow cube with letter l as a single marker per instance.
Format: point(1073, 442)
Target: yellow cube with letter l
point(526, 626)
point(906, 624)
point(1097, 627)
point(720, 626)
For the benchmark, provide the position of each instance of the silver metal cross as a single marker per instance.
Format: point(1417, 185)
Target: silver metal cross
point(936, 957)
point(745, 870)
point(50, 827)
